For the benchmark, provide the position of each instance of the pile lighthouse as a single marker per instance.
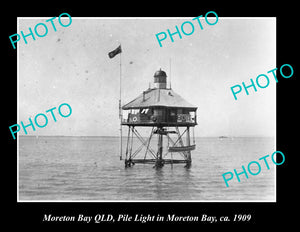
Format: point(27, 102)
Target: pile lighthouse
point(166, 113)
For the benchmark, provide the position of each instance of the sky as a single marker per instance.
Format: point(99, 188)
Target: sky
point(72, 66)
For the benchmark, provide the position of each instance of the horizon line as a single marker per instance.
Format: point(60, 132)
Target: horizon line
point(216, 136)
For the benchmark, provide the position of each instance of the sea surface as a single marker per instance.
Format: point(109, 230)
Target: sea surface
point(67, 168)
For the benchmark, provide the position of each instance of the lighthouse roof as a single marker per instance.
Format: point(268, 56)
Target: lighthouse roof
point(160, 73)
point(157, 97)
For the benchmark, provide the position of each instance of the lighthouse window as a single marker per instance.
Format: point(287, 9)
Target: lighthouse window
point(144, 111)
point(125, 115)
point(192, 116)
point(135, 111)
point(172, 112)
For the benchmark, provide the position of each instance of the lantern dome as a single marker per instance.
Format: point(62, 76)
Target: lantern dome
point(160, 73)
point(160, 79)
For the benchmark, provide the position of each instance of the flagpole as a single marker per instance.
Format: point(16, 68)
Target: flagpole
point(120, 106)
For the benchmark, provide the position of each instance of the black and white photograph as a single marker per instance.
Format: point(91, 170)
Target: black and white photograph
point(171, 115)
point(147, 109)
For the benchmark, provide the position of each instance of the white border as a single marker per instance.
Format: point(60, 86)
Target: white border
point(142, 201)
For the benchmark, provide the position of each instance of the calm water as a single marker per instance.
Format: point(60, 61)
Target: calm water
point(88, 168)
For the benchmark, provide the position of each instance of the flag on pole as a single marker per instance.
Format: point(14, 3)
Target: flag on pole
point(111, 55)
point(115, 52)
